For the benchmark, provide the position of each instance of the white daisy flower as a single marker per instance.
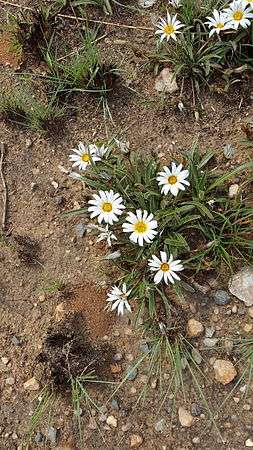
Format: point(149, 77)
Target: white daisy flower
point(141, 226)
point(248, 2)
point(169, 28)
point(165, 268)
point(238, 14)
point(118, 299)
point(106, 235)
point(106, 206)
point(173, 180)
point(100, 151)
point(83, 156)
point(175, 3)
point(218, 22)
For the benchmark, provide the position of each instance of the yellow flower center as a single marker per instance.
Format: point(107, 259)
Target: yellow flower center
point(165, 267)
point(238, 15)
point(172, 179)
point(140, 226)
point(107, 207)
point(169, 29)
point(85, 157)
point(220, 25)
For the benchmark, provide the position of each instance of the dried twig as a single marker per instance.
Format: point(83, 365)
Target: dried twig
point(82, 19)
point(5, 191)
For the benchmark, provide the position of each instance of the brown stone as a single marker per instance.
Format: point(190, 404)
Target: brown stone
point(194, 328)
point(224, 371)
point(136, 440)
point(185, 418)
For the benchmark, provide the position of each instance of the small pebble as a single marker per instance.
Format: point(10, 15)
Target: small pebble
point(39, 437)
point(144, 348)
point(136, 440)
point(117, 357)
point(196, 356)
point(248, 327)
point(234, 309)
point(15, 340)
point(185, 418)
point(209, 332)
point(126, 427)
point(160, 425)
point(249, 443)
point(80, 230)
point(52, 434)
point(10, 381)
point(112, 421)
point(210, 342)
point(5, 360)
point(196, 440)
point(115, 405)
point(132, 373)
point(221, 298)
point(196, 409)
point(241, 311)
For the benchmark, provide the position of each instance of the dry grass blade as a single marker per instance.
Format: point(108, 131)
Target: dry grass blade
point(5, 190)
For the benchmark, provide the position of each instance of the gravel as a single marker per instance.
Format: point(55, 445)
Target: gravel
point(115, 405)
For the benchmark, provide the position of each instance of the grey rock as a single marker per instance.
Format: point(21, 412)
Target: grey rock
point(229, 151)
point(52, 434)
point(241, 311)
point(221, 298)
point(160, 425)
point(115, 405)
point(241, 285)
point(209, 332)
point(196, 356)
point(113, 255)
point(15, 340)
point(59, 200)
point(117, 357)
point(132, 372)
point(80, 230)
point(210, 342)
point(196, 409)
point(144, 348)
point(34, 187)
point(39, 437)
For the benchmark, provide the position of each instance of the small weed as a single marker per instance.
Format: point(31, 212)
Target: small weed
point(53, 287)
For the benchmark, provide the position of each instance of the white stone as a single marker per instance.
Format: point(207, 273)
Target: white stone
point(241, 285)
point(112, 421)
point(32, 384)
point(249, 443)
point(185, 418)
point(146, 3)
point(233, 190)
point(166, 81)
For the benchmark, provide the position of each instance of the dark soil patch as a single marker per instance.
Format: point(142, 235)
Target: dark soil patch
point(68, 352)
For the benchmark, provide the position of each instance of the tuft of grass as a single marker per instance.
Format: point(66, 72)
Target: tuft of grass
point(21, 108)
point(46, 401)
point(53, 287)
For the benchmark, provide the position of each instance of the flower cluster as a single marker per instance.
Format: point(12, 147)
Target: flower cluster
point(238, 14)
point(142, 227)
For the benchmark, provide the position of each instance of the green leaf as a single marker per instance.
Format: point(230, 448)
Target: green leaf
point(221, 180)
